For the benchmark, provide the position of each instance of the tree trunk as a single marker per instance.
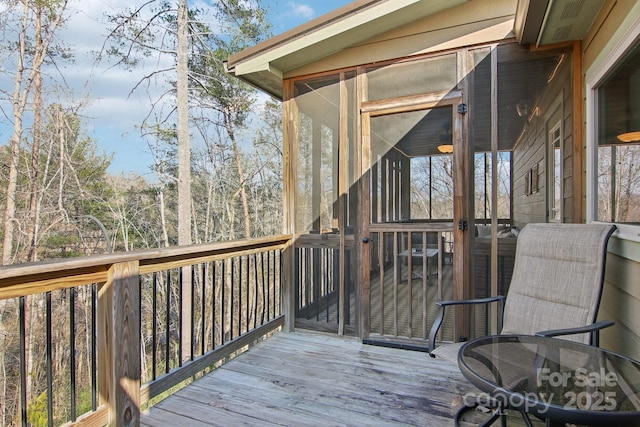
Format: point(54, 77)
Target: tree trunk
point(238, 161)
point(20, 97)
point(34, 212)
point(184, 144)
point(184, 172)
point(19, 103)
point(163, 219)
point(61, 146)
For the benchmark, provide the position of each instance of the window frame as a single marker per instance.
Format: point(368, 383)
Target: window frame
point(551, 175)
point(620, 44)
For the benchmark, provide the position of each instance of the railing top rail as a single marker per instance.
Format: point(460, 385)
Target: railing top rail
point(412, 226)
point(24, 279)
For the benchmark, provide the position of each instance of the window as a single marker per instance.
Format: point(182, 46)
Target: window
point(555, 174)
point(613, 141)
point(618, 142)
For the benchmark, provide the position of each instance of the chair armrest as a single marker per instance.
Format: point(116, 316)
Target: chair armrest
point(472, 301)
point(594, 329)
point(440, 315)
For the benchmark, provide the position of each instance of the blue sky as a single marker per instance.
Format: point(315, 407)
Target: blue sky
point(112, 112)
point(288, 14)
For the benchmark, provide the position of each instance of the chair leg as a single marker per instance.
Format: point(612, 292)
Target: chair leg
point(498, 413)
point(526, 419)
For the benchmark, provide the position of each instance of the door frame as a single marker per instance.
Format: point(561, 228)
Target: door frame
point(462, 206)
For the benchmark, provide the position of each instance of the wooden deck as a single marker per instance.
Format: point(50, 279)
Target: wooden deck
point(310, 379)
point(318, 379)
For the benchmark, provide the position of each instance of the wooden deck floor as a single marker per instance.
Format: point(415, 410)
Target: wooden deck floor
point(318, 379)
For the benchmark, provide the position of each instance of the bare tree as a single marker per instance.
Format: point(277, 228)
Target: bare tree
point(29, 67)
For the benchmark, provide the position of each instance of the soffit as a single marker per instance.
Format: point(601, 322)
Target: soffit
point(264, 64)
point(544, 22)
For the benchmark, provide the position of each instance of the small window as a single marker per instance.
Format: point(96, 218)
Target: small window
point(555, 173)
point(618, 142)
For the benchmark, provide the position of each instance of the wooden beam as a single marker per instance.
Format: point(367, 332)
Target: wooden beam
point(494, 185)
point(463, 185)
point(119, 344)
point(363, 162)
point(343, 188)
point(289, 159)
point(97, 418)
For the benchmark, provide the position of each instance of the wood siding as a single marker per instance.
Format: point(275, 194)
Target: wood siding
point(621, 294)
point(621, 304)
point(531, 149)
point(477, 22)
point(605, 25)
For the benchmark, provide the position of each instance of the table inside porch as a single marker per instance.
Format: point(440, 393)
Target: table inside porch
point(418, 253)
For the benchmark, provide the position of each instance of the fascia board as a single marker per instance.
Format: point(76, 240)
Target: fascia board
point(261, 61)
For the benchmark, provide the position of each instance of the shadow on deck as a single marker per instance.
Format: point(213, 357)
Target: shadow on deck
point(312, 378)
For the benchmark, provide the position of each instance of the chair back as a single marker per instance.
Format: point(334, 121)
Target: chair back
point(557, 278)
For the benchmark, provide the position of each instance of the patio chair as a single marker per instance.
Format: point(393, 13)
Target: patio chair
point(555, 288)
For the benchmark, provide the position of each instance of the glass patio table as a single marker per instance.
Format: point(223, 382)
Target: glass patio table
point(554, 379)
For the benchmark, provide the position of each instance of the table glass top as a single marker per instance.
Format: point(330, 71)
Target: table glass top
point(553, 373)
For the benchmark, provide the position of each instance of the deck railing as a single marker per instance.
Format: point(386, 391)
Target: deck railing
point(92, 340)
point(323, 287)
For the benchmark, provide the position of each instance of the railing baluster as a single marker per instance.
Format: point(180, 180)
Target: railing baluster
point(94, 345)
point(277, 283)
point(298, 275)
point(329, 282)
point(179, 315)
point(23, 361)
point(49, 327)
point(193, 315)
point(272, 268)
point(72, 346)
point(425, 279)
point(223, 284)
point(154, 324)
point(246, 295)
point(203, 314)
point(381, 244)
point(213, 305)
point(141, 337)
point(255, 293)
point(232, 296)
point(265, 289)
point(168, 324)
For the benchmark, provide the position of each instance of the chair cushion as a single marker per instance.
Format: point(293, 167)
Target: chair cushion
point(557, 278)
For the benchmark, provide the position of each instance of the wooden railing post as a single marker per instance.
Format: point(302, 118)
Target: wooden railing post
point(288, 299)
point(119, 344)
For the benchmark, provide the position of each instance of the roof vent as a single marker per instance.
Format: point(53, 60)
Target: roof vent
point(572, 9)
point(562, 33)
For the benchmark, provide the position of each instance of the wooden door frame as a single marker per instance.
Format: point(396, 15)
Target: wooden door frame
point(462, 192)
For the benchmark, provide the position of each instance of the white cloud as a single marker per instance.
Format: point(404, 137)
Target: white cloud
point(113, 114)
point(301, 10)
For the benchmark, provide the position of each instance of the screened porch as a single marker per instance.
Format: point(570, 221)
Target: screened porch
point(410, 179)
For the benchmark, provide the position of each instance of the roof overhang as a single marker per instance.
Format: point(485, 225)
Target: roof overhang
point(537, 22)
point(544, 22)
point(265, 64)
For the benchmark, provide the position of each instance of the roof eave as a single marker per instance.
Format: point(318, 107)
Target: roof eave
point(322, 36)
point(545, 22)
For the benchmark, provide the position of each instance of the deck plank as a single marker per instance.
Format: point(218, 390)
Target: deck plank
point(311, 378)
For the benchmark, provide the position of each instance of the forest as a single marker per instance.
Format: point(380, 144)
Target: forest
point(215, 176)
point(58, 198)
